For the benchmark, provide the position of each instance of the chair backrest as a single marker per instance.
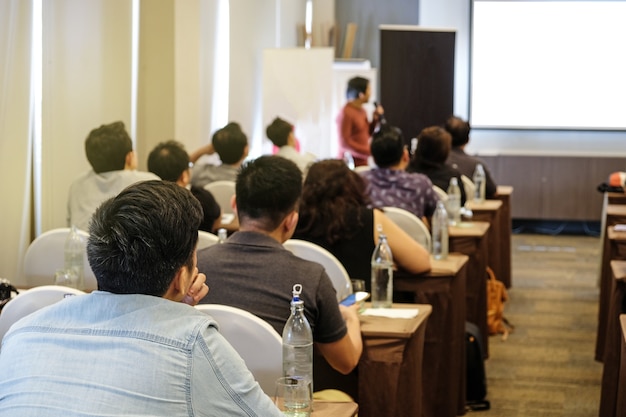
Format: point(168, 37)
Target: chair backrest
point(335, 270)
point(443, 196)
point(469, 187)
point(29, 301)
point(362, 168)
point(411, 224)
point(46, 254)
point(254, 339)
point(206, 239)
point(223, 192)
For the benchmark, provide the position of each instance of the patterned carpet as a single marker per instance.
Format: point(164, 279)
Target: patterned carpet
point(546, 367)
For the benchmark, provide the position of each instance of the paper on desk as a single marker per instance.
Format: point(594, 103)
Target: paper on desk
point(227, 218)
point(394, 313)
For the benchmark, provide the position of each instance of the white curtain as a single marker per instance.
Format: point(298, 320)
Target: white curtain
point(87, 80)
point(15, 135)
point(86, 83)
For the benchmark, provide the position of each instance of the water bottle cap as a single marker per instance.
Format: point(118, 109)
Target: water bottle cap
point(297, 290)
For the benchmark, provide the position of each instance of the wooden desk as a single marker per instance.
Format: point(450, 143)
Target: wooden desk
point(615, 213)
point(490, 211)
point(229, 222)
point(470, 238)
point(444, 373)
point(613, 337)
point(621, 384)
point(334, 409)
point(388, 379)
point(503, 194)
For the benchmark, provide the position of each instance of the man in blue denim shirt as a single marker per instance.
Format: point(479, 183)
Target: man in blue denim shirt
point(134, 347)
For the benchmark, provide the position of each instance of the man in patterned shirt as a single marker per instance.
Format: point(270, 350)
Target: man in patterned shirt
point(389, 184)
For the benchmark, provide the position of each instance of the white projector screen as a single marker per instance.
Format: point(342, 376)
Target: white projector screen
point(548, 65)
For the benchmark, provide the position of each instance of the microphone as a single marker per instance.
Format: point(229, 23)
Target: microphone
point(381, 117)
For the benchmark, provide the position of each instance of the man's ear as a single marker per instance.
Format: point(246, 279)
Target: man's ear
point(233, 203)
point(130, 161)
point(176, 290)
point(291, 221)
point(184, 178)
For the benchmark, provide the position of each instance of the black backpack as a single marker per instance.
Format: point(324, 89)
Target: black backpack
point(476, 385)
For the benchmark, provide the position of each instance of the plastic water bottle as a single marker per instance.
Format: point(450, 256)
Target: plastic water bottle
point(74, 253)
point(454, 201)
point(382, 273)
point(298, 342)
point(440, 232)
point(222, 235)
point(349, 160)
point(479, 179)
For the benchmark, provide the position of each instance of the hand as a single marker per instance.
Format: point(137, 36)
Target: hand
point(197, 291)
point(350, 313)
point(379, 110)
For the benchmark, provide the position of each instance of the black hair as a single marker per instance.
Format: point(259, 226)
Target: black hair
point(387, 146)
point(267, 190)
point(139, 239)
point(278, 131)
point(107, 146)
point(168, 160)
point(356, 86)
point(230, 143)
point(459, 129)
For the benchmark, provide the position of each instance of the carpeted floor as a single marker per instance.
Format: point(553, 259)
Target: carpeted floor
point(546, 367)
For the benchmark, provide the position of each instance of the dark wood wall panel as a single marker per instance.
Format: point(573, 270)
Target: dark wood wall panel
point(416, 78)
point(554, 187)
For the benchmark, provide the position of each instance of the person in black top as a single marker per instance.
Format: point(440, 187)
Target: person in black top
point(170, 161)
point(433, 148)
point(459, 129)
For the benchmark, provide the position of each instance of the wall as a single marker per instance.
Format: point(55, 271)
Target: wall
point(456, 14)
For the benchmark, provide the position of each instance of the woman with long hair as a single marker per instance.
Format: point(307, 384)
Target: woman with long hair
point(334, 214)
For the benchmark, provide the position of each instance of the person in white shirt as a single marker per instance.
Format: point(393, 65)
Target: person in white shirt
point(110, 153)
point(231, 144)
point(280, 132)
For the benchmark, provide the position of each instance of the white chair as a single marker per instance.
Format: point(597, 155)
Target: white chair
point(206, 239)
point(362, 168)
point(29, 301)
point(223, 192)
point(335, 270)
point(45, 255)
point(469, 187)
point(254, 339)
point(411, 224)
point(443, 196)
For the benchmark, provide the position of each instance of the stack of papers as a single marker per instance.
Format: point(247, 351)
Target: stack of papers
point(394, 313)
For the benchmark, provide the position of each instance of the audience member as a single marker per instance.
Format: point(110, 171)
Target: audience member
point(280, 132)
point(459, 129)
point(110, 152)
point(433, 148)
point(170, 161)
point(134, 347)
point(354, 128)
point(253, 271)
point(334, 215)
point(389, 184)
point(231, 144)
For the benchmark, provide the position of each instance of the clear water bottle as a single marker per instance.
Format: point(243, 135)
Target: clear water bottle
point(222, 235)
point(440, 232)
point(454, 202)
point(74, 253)
point(348, 159)
point(382, 273)
point(479, 179)
point(298, 342)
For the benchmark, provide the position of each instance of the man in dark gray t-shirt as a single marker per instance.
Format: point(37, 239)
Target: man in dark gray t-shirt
point(253, 271)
